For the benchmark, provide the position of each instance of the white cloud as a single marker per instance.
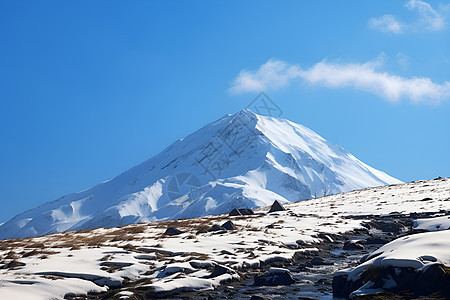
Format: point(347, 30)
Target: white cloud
point(276, 74)
point(428, 19)
point(386, 23)
point(271, 75)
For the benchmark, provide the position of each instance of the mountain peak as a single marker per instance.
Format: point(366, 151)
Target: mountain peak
point(244, 160)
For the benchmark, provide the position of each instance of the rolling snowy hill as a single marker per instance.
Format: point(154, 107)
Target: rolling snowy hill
point(240, 161)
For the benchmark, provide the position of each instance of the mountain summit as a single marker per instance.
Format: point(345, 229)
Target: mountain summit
point(243, 160)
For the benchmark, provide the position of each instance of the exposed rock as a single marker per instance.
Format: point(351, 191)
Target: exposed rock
point(172, 231)
point(435, 279)
point(301, 242)
point(353, 245)
point(325, 237)
point(319, 261)
point(228, 225)
point(276, 206)
point(226, 252)
point(201, 264)
point(246, 211)
point(235, 212)
point(201, 231)
point(291, 245)
point(241, 212)
point(305, 254)
point(14, 264)
point(216, 227)
point(275, 276)
point(220, 270)
point(385, 226)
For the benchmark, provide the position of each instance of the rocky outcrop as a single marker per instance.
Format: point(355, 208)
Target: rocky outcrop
point(275, 276)
point(172, 231)
point(276, 206)
point(432, 280)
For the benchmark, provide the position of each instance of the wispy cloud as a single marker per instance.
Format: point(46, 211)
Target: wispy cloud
point(386, 23)
point(403, 60)
point(276, 74)
point(273, 74)
point(428, 19)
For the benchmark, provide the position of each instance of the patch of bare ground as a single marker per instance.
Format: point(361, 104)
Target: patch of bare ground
point(197, 224)
point(41, 252)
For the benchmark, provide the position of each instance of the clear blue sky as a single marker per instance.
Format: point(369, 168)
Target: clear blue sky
point(90, 88)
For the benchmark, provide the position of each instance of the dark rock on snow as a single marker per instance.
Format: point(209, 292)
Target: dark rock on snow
point(228, 225)
point(353, 245)
point(14, 264)
point(246, 211)
point(276, 206)
point(172, 231)
point(220, 270)
point(216, 227)
point(202, 231)
point(235, 212)
point(241, 212)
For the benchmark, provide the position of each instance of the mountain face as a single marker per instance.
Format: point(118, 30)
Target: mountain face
point(243, 160)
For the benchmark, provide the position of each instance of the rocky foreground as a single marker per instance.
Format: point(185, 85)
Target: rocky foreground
point(277, 252)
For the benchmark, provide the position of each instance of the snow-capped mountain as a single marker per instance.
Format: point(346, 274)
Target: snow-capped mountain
point(243, 160)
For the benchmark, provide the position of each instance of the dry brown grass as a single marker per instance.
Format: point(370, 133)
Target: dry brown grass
point(74, 240)
point(36, 252)
point(11, 255)
point(195, 255)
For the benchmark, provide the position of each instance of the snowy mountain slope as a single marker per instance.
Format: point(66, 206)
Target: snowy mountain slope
point(138, 258)
point(241, 160)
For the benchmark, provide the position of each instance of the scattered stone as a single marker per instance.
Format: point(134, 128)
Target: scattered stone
point(303, 267)
point(235, 212)
point(353, 245)
point(319, 261)
point(325, 237)
point(301, 242)
point(291, 245)
point(228, 225)
point(385, 226)
point(14, 264)
point(216, 227)
point(276, 206)
point(226, 252)
point(305, 254)
point(246, 211)
point(172, 231)
point(241, 212)
point(201, 231)
point(201, 264)
point(275, 276)
point(220, 270)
